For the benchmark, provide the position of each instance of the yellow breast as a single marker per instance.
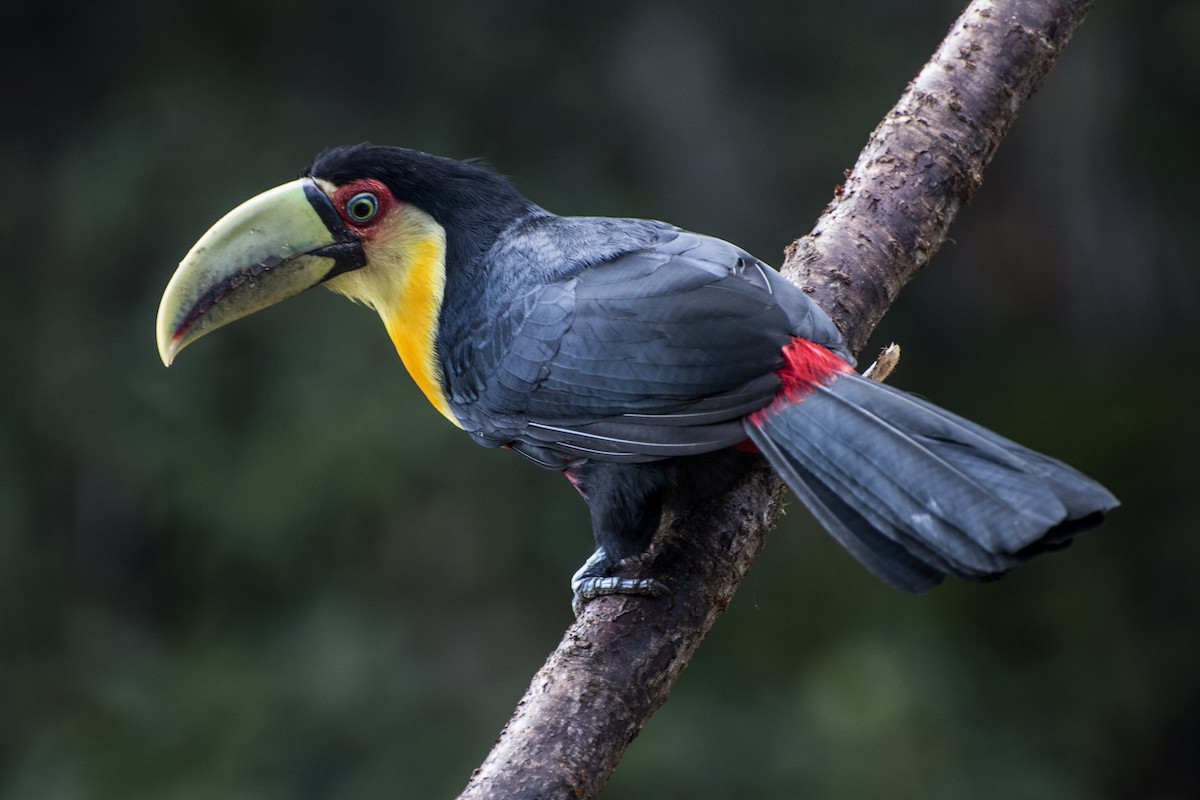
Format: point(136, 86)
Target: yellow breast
point(413, 323)
point(404, 280)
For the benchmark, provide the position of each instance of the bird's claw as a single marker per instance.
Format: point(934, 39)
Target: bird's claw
point(592, 581)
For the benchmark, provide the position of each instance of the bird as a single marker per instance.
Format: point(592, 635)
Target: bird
point(618, 351)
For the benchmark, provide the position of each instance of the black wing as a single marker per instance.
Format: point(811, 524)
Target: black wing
point(658, 352)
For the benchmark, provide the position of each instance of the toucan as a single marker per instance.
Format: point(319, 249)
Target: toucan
point(618, 351)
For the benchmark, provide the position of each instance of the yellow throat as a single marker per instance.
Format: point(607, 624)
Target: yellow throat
point(404, 281)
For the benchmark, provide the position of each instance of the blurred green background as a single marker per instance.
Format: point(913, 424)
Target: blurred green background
point(274, 572)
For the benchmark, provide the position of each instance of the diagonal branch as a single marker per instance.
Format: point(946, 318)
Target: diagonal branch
point(927, 157)
point(617, 662)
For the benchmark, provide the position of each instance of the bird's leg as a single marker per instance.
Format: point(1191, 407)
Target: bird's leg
point(592, 581)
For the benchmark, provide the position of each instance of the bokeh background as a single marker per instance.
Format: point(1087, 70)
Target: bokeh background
point(274, 572)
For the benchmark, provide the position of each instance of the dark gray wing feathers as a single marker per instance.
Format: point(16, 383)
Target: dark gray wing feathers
point(657, 352)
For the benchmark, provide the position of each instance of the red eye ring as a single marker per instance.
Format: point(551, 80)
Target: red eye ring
point(363, 203)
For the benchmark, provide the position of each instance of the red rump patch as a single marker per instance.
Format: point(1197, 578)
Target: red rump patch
point(807, 365)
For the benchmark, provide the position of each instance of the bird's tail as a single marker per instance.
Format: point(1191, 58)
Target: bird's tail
point(913, 491)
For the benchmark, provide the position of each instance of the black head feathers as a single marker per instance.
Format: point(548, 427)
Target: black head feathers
point(452, 192)
point(471, 202)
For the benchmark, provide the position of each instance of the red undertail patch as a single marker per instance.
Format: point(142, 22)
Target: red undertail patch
point(573, 478)
point(807, 365)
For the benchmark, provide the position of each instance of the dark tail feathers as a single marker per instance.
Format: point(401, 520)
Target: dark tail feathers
point(915, 492)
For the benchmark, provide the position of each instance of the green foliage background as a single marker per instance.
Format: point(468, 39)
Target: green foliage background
point(274, 572)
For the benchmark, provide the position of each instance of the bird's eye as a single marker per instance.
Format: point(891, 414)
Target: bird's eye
point(362, 207)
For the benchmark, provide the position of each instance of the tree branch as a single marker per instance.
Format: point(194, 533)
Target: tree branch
point(617, 662)
point(927, 158)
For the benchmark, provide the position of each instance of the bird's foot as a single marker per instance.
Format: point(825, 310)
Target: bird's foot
point(592, 581)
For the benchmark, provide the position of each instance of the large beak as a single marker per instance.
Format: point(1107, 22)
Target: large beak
point(268, 249)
